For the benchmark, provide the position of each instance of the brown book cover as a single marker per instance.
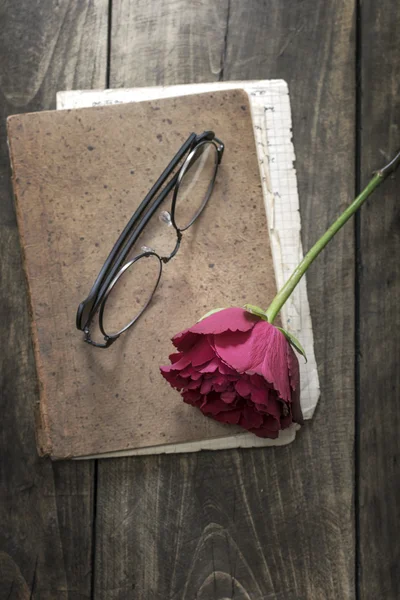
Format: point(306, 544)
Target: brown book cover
point(78, 177)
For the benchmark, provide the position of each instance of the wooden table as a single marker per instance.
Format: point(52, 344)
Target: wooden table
point(318, 519)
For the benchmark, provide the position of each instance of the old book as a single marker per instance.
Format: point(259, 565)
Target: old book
point(78, 176)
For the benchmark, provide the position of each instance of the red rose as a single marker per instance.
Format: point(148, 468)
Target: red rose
point(239, 369)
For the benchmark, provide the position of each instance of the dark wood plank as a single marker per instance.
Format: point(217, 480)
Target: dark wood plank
point(379, 275)
point(266, 523)
point(163, 42)
point(45, 510)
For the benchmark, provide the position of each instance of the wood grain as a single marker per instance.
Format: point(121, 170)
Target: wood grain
point(167, 41)
point(379, 275)
point(257, 524)
point(45, 511)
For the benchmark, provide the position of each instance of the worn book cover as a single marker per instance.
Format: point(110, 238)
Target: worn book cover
point(78, 177)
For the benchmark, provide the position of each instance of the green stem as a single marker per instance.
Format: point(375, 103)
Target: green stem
point(312, 254)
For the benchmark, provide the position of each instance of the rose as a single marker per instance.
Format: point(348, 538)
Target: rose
point(237, 368)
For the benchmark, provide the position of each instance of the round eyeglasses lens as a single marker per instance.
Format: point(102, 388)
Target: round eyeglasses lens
point(129, 294)
point(196, 185)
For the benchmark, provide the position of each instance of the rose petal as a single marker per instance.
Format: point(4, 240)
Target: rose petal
point(233, 349)
point(191, 397)
point(261, 408)
point(213, 404)
point(228, 397)
point(175, 357)
point(208, 375)
point(211, 367)
point(294, 374)
point(297, 413)
point(197, 376)
point(243, 351)
point(193, 385)
point(231, 417)
point(250, 418)
point(259, 382)
point(271, 423)
point(188, 371)
point(243, 388)
point(225, 369)
point(173, 378)
point(185, 340)
point(201, 352)
point(260, 397)
point(206, 386)
point(219, 380)
point(293, 366)
point(274, 406)
point(179, 365)
point(263, 351)
point(228, 319)
point(275, 366)
point(222, 387)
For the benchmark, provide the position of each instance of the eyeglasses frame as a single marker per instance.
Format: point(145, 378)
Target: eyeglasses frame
point(113, 267)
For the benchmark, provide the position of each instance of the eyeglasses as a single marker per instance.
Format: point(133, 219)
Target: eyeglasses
point(192, 186)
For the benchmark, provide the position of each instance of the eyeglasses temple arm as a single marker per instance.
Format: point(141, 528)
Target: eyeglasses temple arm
point(144, 204)
point(132, 240)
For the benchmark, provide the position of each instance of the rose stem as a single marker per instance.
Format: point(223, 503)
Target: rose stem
point(312, 254)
